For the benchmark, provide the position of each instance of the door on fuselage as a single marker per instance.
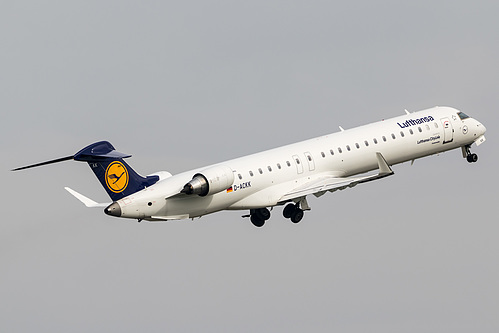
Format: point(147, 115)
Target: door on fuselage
point(299, 166)
point(310, 160)
point(448, 130)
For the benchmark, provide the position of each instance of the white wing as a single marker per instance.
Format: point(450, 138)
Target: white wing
point(321, 185)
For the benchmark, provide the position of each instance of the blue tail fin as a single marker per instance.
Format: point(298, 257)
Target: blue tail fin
point(117, 177)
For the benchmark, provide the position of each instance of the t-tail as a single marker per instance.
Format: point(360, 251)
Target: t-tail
point(116, 176)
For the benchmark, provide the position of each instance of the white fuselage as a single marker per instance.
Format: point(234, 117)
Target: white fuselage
point(261, 179)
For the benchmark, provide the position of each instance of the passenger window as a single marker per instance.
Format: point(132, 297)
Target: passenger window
point(322, 153)
point(339, 149)
point(402, 133)
point(357, 145)
point(297, 161)
point(384, 138)
point(288, 164)
point(420, 130)
point(278, 166)
point(348, 147)
point(411, 131)
point(251, 173)
point(375, 141)
point(393, 136)
point(240, 177)
point(309, 157)
point(270, 169)
point(366, 143)
point(260, 170)
point(436, 125)
point(331, 151)
point(427, 127)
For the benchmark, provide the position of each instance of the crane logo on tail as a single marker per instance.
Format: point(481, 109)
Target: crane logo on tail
point(116, 177)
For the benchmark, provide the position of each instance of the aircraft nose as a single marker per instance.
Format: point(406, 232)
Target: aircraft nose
point(482, 129)
point(113, 209)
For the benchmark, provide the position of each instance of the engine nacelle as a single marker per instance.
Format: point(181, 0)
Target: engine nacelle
point(210, 181)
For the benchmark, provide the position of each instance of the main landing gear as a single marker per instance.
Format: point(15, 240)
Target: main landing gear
point(293, 212)
point(259, 216)
point(470, 157)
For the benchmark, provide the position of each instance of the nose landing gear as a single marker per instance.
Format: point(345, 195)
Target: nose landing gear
point(470, 157)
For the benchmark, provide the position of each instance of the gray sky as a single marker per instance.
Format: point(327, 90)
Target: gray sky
point(180, 85)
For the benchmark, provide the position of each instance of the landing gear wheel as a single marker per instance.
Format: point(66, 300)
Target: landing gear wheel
point(257, 222)
point(288, 211)
point(472, 158)
point(297, 215)
point(262, 214)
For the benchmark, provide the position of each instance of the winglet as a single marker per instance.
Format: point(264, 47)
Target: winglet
point(86, 201)
point(384, 168)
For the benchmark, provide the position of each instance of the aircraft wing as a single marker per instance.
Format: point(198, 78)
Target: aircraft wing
point(321, 185)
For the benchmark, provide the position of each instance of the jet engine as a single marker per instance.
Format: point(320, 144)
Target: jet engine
point(210, 181)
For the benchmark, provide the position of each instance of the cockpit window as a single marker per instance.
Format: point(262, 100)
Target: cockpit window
point(462, 115)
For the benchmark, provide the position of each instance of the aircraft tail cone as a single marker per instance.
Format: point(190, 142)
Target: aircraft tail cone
point(113, 209)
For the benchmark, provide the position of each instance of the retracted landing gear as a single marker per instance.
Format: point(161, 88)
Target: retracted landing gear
point(470, 157)
point(259, 216)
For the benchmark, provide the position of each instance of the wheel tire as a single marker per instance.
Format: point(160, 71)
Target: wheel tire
point(262, 214)
point(257, 222)
point(469, 158)
point(474, 158)
point(288, 211)
point(297, 216)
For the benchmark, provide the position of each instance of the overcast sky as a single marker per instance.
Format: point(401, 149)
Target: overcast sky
point(184, 84)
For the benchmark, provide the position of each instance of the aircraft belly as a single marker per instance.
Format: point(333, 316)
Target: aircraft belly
point(196, 205)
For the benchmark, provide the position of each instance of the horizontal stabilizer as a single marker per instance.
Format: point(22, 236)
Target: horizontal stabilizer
point(86, 201)
point(98, 152)
point(67, 158)
point(115, 175)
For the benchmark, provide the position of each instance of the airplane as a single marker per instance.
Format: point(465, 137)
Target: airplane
point(282, 176)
